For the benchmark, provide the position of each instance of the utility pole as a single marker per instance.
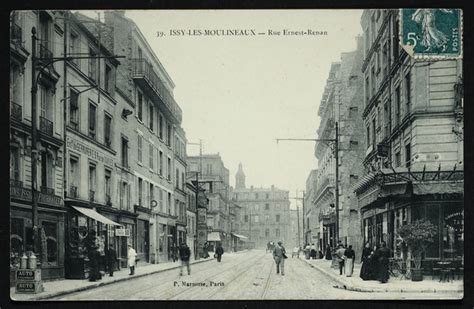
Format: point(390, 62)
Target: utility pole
point(34, 150)
point(334, 141)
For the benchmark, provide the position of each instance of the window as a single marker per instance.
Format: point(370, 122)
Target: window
point(395, 38)
point(160, 124)
point(183, 180)
point(277, 232)
point(397, 105)
point(256, 218)
point(368, 136)
point(108, 80)
point(50, 231)
point(168, 137)
point(209, 169)
point(107, 130)
point(124, 152)
point(140, 106)
point(161, 163)
point(15, 163)
point(161, 201)
point(47, 172)
point(169, 169)
point(246, 218)
point(92, 181)
point(267, 206)
point(124, 195)
point(140, 192)
point(92, 120)
point(267, 232)
point(74, 178)
point(16, 84)
point(385, 59)
point(407, 93)
point(372, 81)
point(398, 159)
point(46, 104)
point(92, 64)
point(177, 179)
point(407, 155)
point(277, 219)
point(386, 118)
point(169, 203)
point(373, 132)
point(140, 53)
point(108, 187)
point(150, 155)
point(74, 109)
point(74, 47)
point(152, 193)
point(140, 148)
point(367, 91)
point(151, 116)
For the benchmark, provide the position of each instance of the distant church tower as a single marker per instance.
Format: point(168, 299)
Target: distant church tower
point(240, 178)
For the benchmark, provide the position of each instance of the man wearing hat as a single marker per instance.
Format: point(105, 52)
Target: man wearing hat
point(279, 256)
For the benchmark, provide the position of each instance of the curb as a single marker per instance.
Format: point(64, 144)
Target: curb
point(100, 284)
point(344, 286)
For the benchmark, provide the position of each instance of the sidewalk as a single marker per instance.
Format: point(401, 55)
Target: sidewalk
point(66, 286)
point(397, 285)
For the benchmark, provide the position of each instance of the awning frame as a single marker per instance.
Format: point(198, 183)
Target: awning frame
point(91, 213)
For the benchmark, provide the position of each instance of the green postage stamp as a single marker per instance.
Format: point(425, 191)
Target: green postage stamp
point(431, 33)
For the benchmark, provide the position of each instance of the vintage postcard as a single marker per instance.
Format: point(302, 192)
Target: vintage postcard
point(236, 154)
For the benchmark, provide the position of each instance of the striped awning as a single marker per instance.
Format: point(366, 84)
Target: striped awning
point(239, 236)
point(213, 236)
point(91, 213)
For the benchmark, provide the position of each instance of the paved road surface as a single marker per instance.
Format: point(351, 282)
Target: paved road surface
point(248, 275)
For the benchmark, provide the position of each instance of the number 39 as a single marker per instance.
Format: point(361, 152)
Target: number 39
point(412, 37)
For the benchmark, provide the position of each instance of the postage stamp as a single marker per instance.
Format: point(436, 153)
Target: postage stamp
point(431, 33)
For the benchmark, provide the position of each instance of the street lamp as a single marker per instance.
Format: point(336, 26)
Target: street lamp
point(335, 141)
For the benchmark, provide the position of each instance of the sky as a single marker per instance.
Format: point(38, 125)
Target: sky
point(239, 93)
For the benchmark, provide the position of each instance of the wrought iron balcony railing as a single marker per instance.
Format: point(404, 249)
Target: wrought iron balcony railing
point(47, 190)
point(44, 51)
point(73, 191)
point(16, 183)
point(16, 111)
point(46, 126)
point(142, 69)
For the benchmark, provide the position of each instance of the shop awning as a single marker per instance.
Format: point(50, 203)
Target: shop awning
point(91, 213)
point(213, 236)
point(239, 236)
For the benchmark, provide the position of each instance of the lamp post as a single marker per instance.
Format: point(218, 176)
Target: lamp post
point(335, 142)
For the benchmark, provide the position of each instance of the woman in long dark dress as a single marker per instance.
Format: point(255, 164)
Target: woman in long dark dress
point(367, 269)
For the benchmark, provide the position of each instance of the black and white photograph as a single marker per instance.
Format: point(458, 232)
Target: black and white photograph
point(286, 154)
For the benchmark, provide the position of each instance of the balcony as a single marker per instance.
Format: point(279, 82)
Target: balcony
point(44, 52)
point(46, 126)
point(16, 183)
point(144, 74)
point(91, 195)
point(73, 192)
point(47, 190)
point(16, 111)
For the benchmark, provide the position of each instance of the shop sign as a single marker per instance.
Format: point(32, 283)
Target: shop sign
point(25, 274)
point(88, 151)
point(122, 232)
point(28, 287)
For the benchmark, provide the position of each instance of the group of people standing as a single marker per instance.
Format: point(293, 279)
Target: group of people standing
point(345, 257)
point(311, 252)
point(375, 262)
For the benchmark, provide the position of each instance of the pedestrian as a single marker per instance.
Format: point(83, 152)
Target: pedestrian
point(205, 250)
point(366, 271)
point(349, 261)
point(295, 252)
point(279, 255)
point(383, 255)
point(312, 253)
point(340, 257)
point(307, 251)
point(132, 259)
point(110, 259)
point(94, 256)
point(174, 252)
point(219, 252)
point(328, 253)
point(184, 255)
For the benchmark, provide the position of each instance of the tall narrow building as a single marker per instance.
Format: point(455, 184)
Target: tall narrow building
point(240, 178)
